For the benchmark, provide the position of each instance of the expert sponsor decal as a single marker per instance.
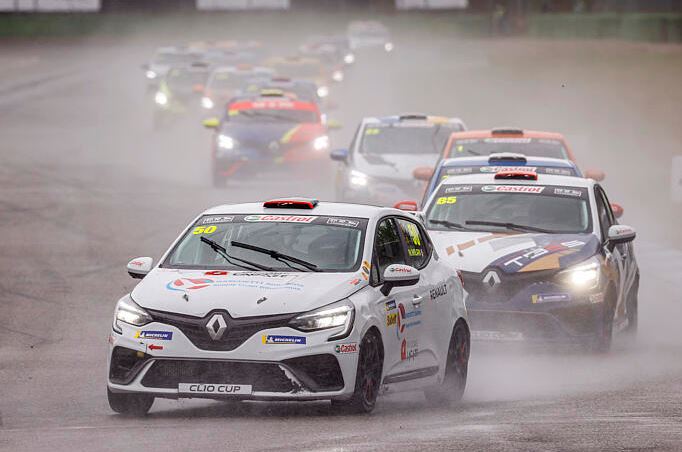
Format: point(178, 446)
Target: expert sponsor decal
point(438, 291)
point(408, 350)
point(534, 189)
point(280, 218)
point(217, 220)
point(459, 189)
point(343, 222)
point(549, 298)
point(407, 319)
point(568, 192)
point(273, 339)
point(346, 348)
point(158, 335)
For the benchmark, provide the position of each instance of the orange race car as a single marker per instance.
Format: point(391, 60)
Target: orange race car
point(485, 142)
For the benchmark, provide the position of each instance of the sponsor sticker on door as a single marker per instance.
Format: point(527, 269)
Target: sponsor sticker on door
point(217, 389)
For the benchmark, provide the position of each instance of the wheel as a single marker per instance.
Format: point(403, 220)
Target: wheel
point(454, 382)
point(130, 404)
point(368, 377)
point(601, 344)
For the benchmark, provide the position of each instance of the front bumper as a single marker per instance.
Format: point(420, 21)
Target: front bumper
point(539, 312)
point(275, 371)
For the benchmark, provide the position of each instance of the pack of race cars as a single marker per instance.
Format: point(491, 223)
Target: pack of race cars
point(493, 235)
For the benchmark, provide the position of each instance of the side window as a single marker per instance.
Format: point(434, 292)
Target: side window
point(606, 218)
point(388, 248)
point(416, 245)
point(353, 142)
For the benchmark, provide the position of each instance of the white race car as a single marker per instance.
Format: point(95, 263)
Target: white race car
point(291, 300)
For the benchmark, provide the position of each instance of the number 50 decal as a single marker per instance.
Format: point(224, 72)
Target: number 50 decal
point(204, 229)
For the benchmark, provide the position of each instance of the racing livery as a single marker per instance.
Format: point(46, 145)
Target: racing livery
point(542, 257)
point(491, 164)
point(266, 129)
point(179, 91)
point(527, 142)
point(226, 82)
point(291, 300)
point(307, 68)
point(378, 167)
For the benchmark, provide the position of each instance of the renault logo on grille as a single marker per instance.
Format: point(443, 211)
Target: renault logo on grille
point(491, 279)
point(216, 326)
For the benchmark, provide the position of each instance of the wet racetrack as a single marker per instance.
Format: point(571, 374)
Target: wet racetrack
point(87, 184)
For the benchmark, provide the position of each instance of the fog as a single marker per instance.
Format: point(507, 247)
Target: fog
point(87, 184)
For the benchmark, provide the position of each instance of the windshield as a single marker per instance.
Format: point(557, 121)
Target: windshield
point(182, 78)
point(258, 112)
point(527, 146)
point(229, 80)
point(174, 58)
point(424, 138)
point(540, 208)
point(298, 70)
point(331, 244)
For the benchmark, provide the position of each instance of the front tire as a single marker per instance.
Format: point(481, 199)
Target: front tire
point(368, 376)
point(130, 404)
point(454, 382)
point(601, 344)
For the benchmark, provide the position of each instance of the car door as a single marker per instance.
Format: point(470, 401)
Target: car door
point(618, 256)
point(401, 325)
point(417, 251)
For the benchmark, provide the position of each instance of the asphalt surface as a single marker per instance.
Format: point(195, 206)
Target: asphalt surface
point(86, 185)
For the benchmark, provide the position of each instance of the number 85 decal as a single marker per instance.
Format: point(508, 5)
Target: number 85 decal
point(446, 200)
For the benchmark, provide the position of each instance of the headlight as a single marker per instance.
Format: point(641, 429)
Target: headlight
point(321, 143)
point(161, 98)
point(150, 75)
point(207, 103)
point(388, 46)
point(583, 276)
point(349, 58)
point(335, 315)
point(323, 91)
point(358, 178)
point(226, 142)
point(337, 76)
point(129, 312)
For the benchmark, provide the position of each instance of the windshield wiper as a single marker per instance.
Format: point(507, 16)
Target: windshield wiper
point(223, 253)
point(277, 256)
point(449, 224)
point(471, 151)
point(514, 226)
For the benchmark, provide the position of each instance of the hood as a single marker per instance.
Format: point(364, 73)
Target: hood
point(513, 253)
point(392, 166)
point(263, 134)
point(241, 293)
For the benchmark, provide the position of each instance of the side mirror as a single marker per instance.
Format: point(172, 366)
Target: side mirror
point(595, 174)
point(423, 173)
point(333, 124)
point(340, 155)
point(617, 210)
point(211, 123)
point(619, 233)
point(408, 206)
point(198, 88)
point(139, 267)
point(398, 275)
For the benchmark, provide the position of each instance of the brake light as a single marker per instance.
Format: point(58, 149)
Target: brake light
point(291, 203)
point(519, 174)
